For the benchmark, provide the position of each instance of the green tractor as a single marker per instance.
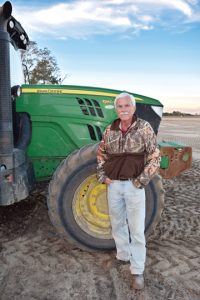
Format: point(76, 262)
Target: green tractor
point(51, 132)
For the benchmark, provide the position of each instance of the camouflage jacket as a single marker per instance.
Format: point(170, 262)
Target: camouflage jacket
point(139, 138)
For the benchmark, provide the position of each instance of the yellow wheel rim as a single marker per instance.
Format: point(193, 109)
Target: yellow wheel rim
point(90, 208)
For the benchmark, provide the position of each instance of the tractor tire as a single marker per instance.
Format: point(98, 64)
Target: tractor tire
point(77, 203)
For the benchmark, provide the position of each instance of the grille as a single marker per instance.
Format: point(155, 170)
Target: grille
point(95, 132)
point(90, 107)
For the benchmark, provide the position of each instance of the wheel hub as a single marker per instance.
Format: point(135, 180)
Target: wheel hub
point(90, 208)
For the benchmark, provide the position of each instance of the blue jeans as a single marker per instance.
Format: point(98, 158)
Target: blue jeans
point(127, 215)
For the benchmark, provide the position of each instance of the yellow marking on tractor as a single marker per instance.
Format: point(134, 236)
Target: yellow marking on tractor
point(64, 91)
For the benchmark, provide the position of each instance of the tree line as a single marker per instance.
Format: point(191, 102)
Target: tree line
point(177, 114)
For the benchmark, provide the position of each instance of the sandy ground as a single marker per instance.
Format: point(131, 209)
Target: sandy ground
point(37, 264)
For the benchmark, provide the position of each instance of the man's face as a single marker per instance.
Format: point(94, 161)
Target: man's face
point(125, 109)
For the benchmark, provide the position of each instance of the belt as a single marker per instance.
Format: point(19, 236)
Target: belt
point(124, 179)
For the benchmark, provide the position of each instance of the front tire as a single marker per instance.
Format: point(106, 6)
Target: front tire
point(78, 205)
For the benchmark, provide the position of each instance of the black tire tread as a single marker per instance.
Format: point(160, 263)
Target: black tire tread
point(65, 169)
point(157, 180)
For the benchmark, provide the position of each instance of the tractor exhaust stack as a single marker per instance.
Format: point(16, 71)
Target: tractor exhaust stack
point(16, 172)
point(6, 131)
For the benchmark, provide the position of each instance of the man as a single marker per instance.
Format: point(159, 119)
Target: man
point(128, 157)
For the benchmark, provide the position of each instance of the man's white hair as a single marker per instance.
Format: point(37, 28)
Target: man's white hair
point(122, 95)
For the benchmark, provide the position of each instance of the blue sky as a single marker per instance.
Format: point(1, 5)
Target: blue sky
point(149, 47)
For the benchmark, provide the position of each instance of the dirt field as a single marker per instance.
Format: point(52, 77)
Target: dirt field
point(37, 264)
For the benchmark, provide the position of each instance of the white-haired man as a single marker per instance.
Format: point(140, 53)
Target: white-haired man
point(128, 157)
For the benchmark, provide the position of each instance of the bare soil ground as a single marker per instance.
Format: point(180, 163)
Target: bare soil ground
point(37, 264)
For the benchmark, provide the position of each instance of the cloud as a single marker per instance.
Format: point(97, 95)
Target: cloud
point(80, 19)
point(179, 5)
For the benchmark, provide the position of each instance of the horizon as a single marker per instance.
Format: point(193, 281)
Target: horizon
point(147, 47)
point(182, 112)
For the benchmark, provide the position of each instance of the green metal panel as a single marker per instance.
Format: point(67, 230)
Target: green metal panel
point(171, 144)
point(44, 167)
point(164, 164)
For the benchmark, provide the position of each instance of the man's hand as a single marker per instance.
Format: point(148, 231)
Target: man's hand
point(108, 181)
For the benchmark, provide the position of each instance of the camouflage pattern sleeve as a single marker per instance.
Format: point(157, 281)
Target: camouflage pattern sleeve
point(101, 158)
point(152, 163)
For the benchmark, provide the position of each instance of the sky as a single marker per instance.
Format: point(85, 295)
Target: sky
point(147, 47)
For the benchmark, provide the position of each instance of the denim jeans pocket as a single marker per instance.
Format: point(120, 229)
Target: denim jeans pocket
point(139, 188)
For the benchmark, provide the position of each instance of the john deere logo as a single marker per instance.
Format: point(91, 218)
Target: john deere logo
point(49, 91)
point(107, 101)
